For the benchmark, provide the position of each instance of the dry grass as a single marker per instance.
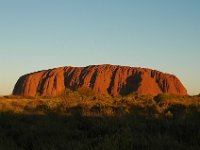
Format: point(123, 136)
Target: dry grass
point(81, 121)
point(91, 105)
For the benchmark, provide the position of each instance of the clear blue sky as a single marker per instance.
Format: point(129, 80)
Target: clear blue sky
point(42, 34)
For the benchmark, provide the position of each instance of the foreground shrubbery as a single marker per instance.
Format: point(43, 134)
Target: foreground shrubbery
point(78, 120)
point(52, 131)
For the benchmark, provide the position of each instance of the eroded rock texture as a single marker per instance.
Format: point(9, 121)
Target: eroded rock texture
point(103, 79)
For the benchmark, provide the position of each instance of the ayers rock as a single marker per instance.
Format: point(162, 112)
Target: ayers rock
point(103, 79)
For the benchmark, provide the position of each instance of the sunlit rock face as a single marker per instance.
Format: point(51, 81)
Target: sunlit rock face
point(105, 80)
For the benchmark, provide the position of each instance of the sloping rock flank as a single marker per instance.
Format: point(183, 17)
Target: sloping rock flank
point(103, 79)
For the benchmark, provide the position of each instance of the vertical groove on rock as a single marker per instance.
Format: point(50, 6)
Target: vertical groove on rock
point(112, 81)
point(93, 79)
point(42, 82)
point(68, 77)
point(82, 76)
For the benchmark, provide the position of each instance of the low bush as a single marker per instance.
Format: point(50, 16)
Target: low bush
point(162, 98)
point(85, 92)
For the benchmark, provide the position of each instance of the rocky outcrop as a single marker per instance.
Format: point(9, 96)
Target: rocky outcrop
point(103, 79)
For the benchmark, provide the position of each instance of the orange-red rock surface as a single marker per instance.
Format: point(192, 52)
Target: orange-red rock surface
point(103, 79)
